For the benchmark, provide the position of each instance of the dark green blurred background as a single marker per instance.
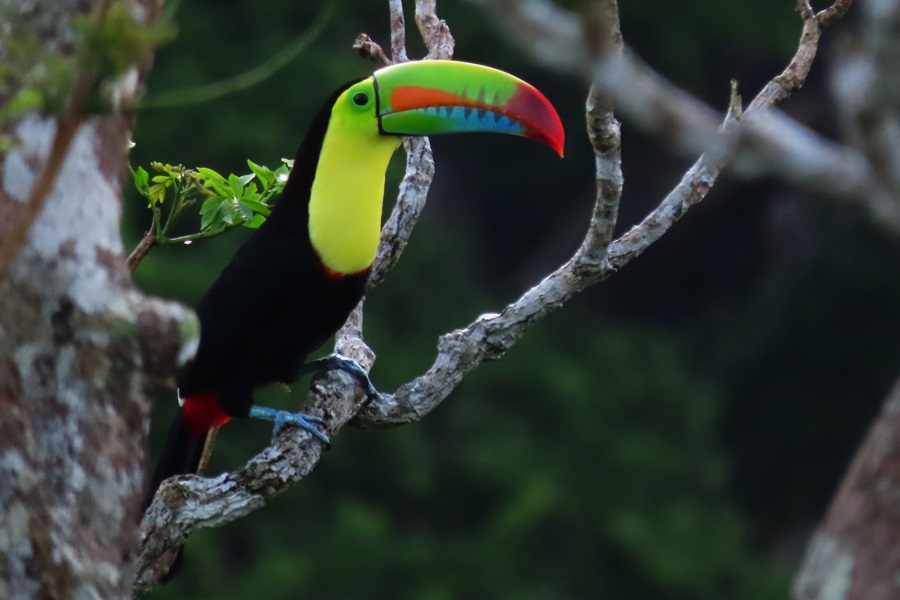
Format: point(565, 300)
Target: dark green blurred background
point(675, 432)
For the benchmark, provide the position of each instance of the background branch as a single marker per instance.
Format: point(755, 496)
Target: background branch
point(768, 143)
point(867, 93)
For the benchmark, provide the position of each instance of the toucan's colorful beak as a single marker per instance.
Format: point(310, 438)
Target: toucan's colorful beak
point(439, 96)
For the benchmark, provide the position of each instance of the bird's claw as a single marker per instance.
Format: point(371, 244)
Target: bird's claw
point(307, 422)
point(336, 362)
point(281, 418)
point(348, 365)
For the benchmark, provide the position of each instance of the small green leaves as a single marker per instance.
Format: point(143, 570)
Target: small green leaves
point(218, 214)
point(257, 207)
point(171, 178)
point(264, 174)
point(141, 182)
point(226, 202)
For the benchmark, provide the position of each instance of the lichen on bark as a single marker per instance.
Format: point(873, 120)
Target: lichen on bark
point(79, 349)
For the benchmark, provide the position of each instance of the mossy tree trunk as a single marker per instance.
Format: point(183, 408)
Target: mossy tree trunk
point(79, 345)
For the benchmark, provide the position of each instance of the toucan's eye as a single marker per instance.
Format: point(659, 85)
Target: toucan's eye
point(360, 99)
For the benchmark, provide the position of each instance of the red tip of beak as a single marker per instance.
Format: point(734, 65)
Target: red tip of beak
point(532, 108)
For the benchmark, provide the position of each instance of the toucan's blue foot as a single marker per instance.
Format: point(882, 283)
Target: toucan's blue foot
point(283, 417)
point(336, 362)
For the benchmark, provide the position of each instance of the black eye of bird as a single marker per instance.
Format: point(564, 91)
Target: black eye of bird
point(360, 99)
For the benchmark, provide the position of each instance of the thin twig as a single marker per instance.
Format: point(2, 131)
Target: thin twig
point(369, 49)
point(691, 190)
point(208, 446)
point(605, 135)
point(794, 75)
point(833, 13)
point(434, 31)
point(142, 249)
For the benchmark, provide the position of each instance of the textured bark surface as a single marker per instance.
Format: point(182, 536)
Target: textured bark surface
point(856, 551)
point(79, 346)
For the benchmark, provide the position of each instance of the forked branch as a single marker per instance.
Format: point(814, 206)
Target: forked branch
point(592, 47)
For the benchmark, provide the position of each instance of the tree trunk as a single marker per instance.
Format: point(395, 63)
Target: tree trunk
point(79, 348)
point(855, 554)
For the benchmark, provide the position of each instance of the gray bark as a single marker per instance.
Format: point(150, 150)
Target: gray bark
point(855, 554)
point(79, 348)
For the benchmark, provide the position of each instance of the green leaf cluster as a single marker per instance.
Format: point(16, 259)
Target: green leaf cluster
point(225, 202)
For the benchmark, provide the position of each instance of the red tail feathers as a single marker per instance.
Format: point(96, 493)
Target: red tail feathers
point(202, 412)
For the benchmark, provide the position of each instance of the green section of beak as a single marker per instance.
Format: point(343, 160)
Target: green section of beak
point(434, 97)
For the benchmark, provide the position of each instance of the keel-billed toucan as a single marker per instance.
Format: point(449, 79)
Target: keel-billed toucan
point(296, 279)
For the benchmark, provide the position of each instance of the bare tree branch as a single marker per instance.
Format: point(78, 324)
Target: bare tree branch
point(367, 48)
point(411, 199)
point(419, 159)
point(691, 190)
point(766, 143)
point(491, 335)
point(434, 31)
point(605, 135)
point(833, 13)
point(794, 75)
point(398, 31)
point(564, 40)
point(142, 249)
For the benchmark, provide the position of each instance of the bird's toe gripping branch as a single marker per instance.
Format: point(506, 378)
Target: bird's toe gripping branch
point(283, 417)
point(333, 362)
point(336, 362)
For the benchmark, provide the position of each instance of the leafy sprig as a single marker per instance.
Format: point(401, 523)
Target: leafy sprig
point(225, 202)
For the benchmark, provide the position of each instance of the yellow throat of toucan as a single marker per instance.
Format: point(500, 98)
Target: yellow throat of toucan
point(348, 189)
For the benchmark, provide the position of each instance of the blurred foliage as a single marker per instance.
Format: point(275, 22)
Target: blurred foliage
point(671, 434)
point(35, 76)
point(117, 43)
